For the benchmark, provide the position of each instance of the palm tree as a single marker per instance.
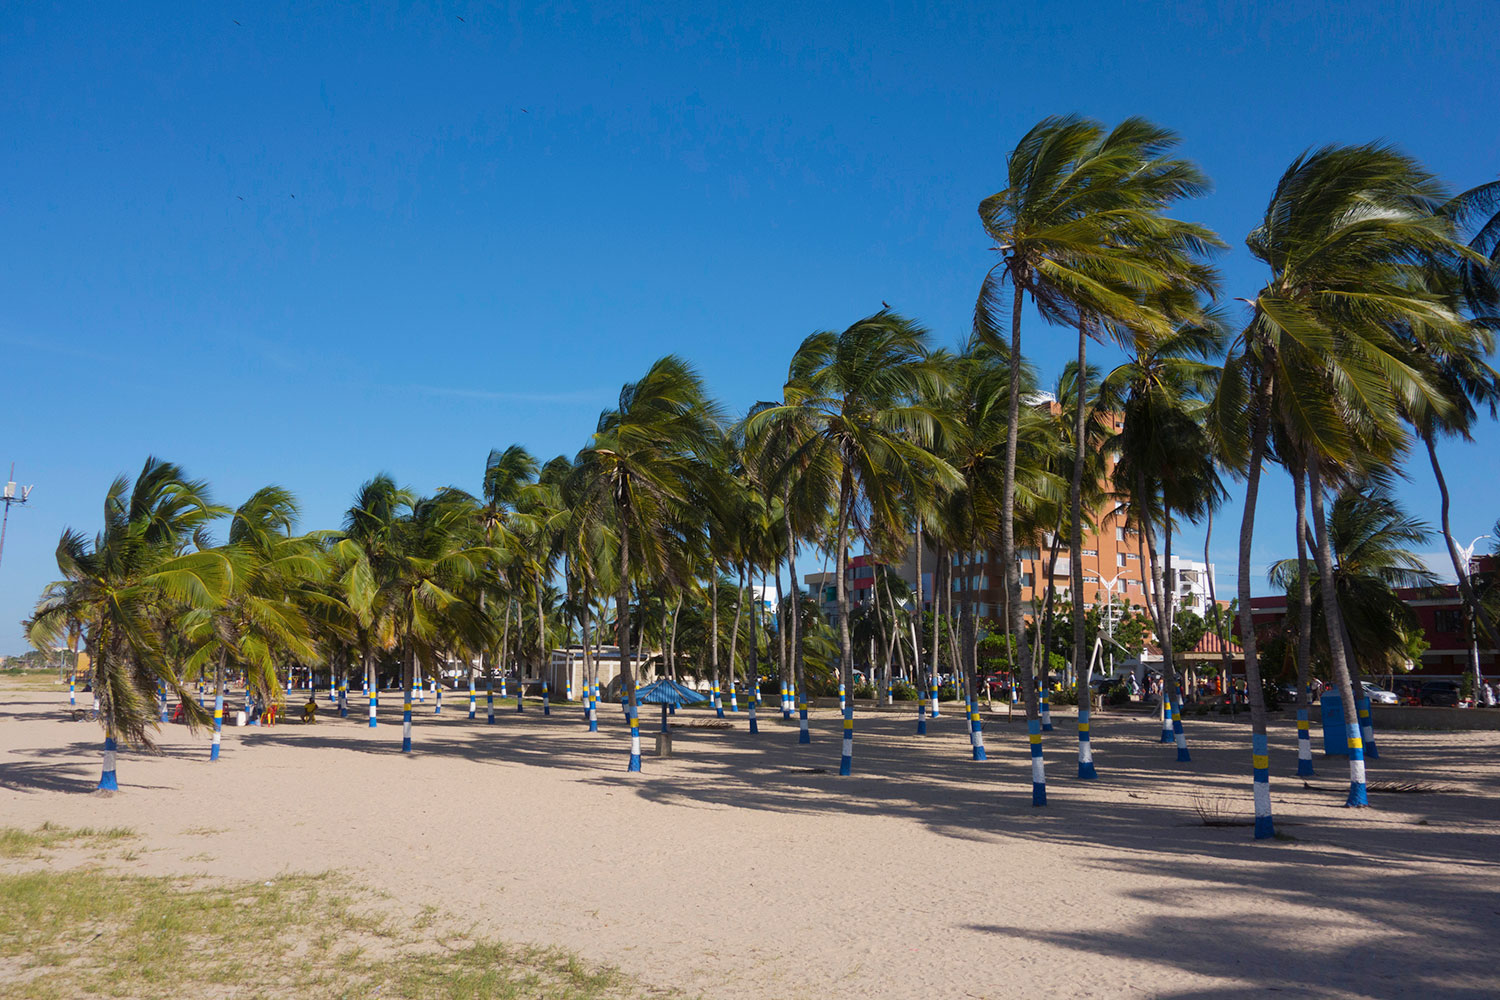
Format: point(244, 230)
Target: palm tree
point(642, 467)
point(366, 554)
point(266, 616)
point(434, 560)
point(1166, 464)
point(859, 391)
point(1078, 231)
point(112, 587)
point(1349, 237)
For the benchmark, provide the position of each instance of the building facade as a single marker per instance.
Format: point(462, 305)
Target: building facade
point(1441, 613)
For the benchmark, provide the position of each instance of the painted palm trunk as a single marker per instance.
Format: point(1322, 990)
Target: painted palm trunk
point(921, 713)
point(976, 730)
point(1304, 745)
point(1367, 727)
point(107, 780)
point(1358, 793)
point(1260, 759)
point(72, 692)
point(1038, 765)
point(406, 722)
point(635, 738)
point(1045, 709)
point(213, 750)
point(546, 698)
point(161, 690)
point(804, 734)
point(1166, 718)
point(846, 760)
point(473, 699)
point(489, 700)
point(1178, 735)
point(1085, 751)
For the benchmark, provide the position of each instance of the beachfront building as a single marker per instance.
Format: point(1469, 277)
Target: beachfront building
point(1441, 613)
point(1112, 571)
point(565, 670)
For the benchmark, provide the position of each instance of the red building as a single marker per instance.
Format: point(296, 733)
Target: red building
point(1439, 610)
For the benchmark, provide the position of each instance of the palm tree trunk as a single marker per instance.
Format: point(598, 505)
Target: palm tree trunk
point(622, 638)
point(543, 654)
point(896, 645)
point(373, 680)
point(969, 631)
point(942, 590)
point(408, 669)
point(1304, 625)
point(1154, 604)
point(213, 752)
point(782, 651)
point(1015, 625)
point(590, 688)
point(1168, 663)
point(1259, 749)
point(1338, 655)
point(1075, 550)
point(752, 664)
point(734, 642)
point(1043, 654)
point(505, 653)
point(841, 593)
point(800, 693)
point(1477, 617)
point(713, 630)
point(917, 629)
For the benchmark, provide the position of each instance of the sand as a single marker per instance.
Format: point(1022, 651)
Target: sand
point(729, 870)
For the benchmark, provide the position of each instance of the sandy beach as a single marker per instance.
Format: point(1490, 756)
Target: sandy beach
point(745, 867)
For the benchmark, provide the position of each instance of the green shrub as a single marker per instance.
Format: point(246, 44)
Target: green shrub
point(1065, 696)
point(864, 689)
point(904, 691)
point(947, 692)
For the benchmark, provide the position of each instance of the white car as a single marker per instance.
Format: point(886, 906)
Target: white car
point(1379, 696)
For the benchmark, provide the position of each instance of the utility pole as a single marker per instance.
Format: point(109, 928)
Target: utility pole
point(12, 495)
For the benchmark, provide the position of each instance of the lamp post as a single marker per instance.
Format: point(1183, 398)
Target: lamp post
point(13, 494)
point(1467, 551)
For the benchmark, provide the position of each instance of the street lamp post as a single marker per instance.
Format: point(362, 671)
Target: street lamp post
point(13, 494)
point(1467, 551)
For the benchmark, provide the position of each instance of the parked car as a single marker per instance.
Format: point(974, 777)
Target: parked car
point(1440, 693)
point(1379, 695)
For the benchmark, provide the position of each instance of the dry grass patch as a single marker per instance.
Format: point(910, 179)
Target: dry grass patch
point(88, 932)
point(16, 843)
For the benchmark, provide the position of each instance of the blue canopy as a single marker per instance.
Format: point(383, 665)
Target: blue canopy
point(668, 692)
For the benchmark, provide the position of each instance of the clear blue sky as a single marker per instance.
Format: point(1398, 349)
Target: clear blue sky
point(499, 219)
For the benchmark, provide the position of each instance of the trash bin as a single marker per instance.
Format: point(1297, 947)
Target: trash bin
point(239, 718)
point(1335, 734)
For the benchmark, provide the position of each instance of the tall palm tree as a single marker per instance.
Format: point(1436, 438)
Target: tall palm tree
point(1078, 230)
point(112, 585)
point(860, 390)
point(1349, 237)
point(643, 466)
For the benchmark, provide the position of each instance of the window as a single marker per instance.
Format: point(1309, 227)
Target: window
point(1028, 554)
point(1026, 579)
point(1448, 620)
point(1091, 552)
point(1119, 559)
point(1132, 557)
point(1120, 534)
